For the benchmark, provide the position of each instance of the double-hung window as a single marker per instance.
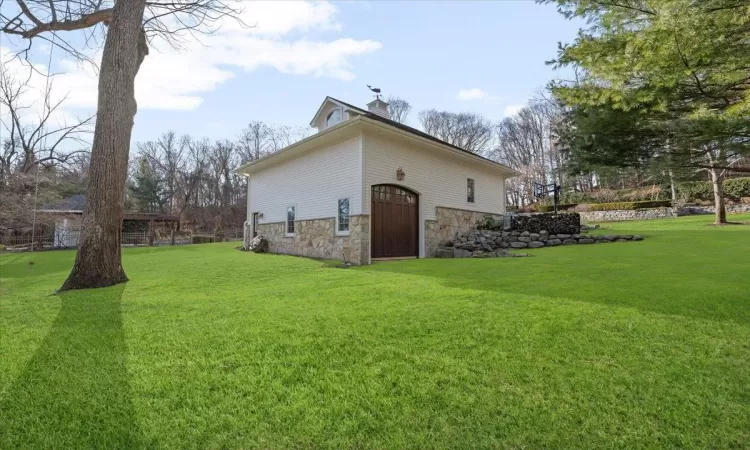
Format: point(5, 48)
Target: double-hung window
point(342, 216)
point(290, 215)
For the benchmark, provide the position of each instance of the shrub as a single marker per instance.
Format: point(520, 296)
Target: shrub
point(489, 223)
point(629, 205)
point(2, 248)
point(550, 208)
point(734, 189)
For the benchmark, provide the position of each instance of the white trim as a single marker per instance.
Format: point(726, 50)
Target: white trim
point(286, 221)
point(308, 143)
point(349, 224)
point(341, 117)
point(336, 102)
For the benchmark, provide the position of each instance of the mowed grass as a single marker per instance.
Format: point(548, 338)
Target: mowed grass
point(621, 345)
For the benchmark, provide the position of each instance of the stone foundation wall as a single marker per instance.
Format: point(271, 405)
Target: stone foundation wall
point(450, 224)
point(317, 239)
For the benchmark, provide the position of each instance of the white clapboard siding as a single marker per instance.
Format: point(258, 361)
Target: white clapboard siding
point(438, 176)
point(312, 182)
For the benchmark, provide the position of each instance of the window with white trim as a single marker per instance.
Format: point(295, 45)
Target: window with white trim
point(470, 190)
point(334, 117)
point(342, 216)
point(290, 215)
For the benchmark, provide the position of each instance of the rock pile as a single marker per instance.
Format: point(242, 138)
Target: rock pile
point(487, 243)
point(566, 223)
point(259, 244)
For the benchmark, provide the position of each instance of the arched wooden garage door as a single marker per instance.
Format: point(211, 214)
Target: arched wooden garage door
point(395, 219)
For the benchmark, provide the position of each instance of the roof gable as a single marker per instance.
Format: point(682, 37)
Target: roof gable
point(343, 105)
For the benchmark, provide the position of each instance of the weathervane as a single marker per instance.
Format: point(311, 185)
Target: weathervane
point(376, 91)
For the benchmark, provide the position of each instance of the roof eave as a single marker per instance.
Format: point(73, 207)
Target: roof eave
point(445, 146)
point(242, 170)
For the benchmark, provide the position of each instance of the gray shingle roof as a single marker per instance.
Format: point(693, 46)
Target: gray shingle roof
point(74, 203)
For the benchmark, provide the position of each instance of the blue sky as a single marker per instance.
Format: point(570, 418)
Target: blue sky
point(426, 52)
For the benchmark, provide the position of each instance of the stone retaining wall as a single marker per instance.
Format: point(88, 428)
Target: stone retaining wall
point(569, 223)
point(449, 224)
point(636, 214)
point(491, 243)
point(317, 239)
point(656, 213)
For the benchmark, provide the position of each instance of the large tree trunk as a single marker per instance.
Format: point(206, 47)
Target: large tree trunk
point(717, 179)
point(98, 262)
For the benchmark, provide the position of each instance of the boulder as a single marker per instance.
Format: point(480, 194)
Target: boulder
point(637, 237)
point(534, 236)
point(518, 244)
point(569, 241)
point(525, 233)
point(563, 236)
point(259, 244)
point(444, 253)
point(461, 253)
point(524, 239)
point(585, 241)
point(554, 242)
point(536, 244)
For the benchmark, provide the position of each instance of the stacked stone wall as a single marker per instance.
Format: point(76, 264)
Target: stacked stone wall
point(451, 223)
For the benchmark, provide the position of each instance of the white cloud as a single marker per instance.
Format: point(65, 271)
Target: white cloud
point(171, 79)
point(33, 82)
point(511, 110)
point(471, 94)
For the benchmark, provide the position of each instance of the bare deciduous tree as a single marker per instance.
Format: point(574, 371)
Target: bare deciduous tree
point(470, 131)
point(524, 143)
point(130, 24)
point(30, 141)
point(399, 109)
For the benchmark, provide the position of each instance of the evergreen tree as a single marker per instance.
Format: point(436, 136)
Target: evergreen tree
point(664, 79)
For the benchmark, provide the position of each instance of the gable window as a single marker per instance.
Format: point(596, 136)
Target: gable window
point(334, 117)
point(342, 216)
point(470, 190)
point(290, 214)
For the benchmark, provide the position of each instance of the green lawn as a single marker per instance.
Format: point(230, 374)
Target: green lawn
point(621, 345)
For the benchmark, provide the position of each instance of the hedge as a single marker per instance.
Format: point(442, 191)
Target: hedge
point(629, 205)
point(734, 189)
point(550, 208)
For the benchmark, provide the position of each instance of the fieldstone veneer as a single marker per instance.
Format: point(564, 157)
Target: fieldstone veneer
point(450, 224)
point(316, 238)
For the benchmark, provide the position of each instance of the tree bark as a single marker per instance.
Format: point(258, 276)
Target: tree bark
point(717, 179)
point(672, 186)
point(98, 261)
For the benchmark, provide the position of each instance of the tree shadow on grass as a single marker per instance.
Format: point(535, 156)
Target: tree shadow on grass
point(75, 392)
point(679, 274)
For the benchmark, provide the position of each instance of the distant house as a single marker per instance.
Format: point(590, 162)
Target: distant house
point(366, 187)
point(68, 213)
